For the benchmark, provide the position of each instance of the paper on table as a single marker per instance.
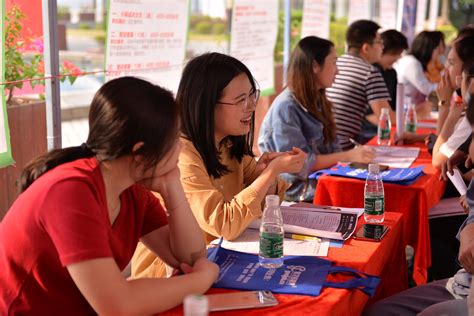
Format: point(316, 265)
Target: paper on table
point(400, 108)
point(249, 242)
point(395, 157)
point(457, 181)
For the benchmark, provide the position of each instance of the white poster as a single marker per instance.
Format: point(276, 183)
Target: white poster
point(421, 7)
point(316, 16)
point(388, 14)
point(253, 38)
point(5, 148)
point(359, 10)
point(147, 39)
point(434, 8)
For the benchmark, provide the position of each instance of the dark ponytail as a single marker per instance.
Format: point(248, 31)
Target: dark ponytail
point(124, 112)
point(50, 160)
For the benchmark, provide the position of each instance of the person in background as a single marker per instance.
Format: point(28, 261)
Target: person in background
point(83, 209)
point(394, 44)
point(447, 296)
point(455, 129)
point(224, 183)
point(302, 116)
point(358, 85)
point(411, 69)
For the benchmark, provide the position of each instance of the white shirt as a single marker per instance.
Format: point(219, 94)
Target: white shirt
point(462, 131)
point(410, 73)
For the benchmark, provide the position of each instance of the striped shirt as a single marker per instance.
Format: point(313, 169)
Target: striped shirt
point(356, 85)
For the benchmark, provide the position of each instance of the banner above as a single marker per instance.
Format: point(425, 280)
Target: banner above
point(147, 39)
point(253, 38)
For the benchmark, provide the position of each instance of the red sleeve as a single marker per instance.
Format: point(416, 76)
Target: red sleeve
point(77, 222)
point(155, 215)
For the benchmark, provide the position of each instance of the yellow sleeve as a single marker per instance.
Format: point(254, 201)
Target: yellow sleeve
point(250, 174)
point(215, 216)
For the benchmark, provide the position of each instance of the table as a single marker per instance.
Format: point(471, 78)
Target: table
point(385, 259)
point(413, 201)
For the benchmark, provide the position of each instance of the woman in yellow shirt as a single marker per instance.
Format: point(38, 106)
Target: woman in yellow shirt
point(224, 183)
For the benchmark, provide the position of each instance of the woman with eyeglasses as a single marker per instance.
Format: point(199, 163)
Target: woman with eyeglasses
point(224, 183)
point(302, 116)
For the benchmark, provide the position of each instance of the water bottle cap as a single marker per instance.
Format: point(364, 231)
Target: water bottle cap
point(374, 168)
point(196, 305)
point(273, 200)
point(384, 110)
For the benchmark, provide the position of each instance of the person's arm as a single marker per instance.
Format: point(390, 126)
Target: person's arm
point(444, 91)
point(377, 106)
point(447, 131)
point(215, 214)
point(362, 154)
point(104, 287)
point(416, 76)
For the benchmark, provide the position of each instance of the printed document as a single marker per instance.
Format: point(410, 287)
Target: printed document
point(395, 157)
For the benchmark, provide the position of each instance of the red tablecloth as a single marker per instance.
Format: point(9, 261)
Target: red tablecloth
point(385, 259)
point(413, 201)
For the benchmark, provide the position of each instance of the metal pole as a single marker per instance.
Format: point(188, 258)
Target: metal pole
point(51, 66)
point(286, 39)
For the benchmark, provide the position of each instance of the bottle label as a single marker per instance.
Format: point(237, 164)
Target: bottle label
point(384, 133)
point(374, 205)
point(271, 245)
point(410, 127)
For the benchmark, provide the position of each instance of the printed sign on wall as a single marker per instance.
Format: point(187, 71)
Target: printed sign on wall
point(147, 39)
point(316, 16)
point(253, 38)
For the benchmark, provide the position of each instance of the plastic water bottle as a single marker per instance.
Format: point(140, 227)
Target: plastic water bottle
point(271, 234)
point(383, 131)
point(196, 305)
point(374, 200)
point(410, 119)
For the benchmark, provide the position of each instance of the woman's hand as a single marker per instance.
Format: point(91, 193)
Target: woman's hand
point(265, 159)
point(163, 183)
point(464, 204)
point(444, 89)
point(456, 158)
point(209, 269)
point(363, 154)
point(289, 162)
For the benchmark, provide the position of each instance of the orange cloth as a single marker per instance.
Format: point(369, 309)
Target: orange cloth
point(433, 71)
point(385, 259)
point(412, 201)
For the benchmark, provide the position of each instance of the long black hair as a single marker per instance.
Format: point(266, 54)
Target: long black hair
point(203, 80)
point(302, 82)
point(424, 44)
point(124, 112)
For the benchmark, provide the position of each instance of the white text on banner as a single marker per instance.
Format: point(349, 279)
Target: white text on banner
point(253, 39)
point(316, 15)
point(147, 39)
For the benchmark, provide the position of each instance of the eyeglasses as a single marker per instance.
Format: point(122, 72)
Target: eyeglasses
point(377, 41)
point(248, 102)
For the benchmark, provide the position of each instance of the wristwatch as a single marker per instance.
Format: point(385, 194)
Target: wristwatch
point(442, 103)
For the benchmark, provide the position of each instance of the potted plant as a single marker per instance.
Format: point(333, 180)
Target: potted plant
point(24, 63)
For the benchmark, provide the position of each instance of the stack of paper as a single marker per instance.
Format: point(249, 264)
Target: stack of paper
point(395, 157)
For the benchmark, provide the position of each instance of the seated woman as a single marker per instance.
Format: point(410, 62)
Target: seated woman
point(83, 209)
point(302, 116)
point(224, 183)
point(455, 129)
point(447, 296)
point(411, 69)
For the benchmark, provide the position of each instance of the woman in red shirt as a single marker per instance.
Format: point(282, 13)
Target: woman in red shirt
point(83, 210)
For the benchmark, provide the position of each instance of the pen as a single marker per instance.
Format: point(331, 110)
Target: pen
point(355, 143)
point(301, 237)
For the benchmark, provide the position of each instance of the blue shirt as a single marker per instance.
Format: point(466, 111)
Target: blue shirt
point(288, 124)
